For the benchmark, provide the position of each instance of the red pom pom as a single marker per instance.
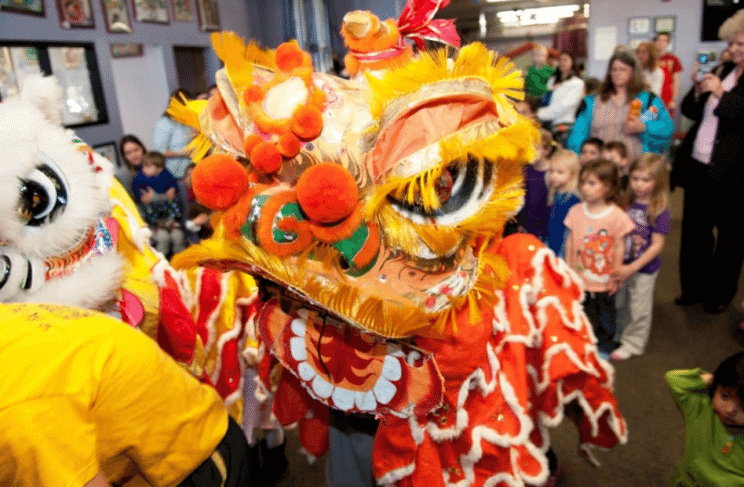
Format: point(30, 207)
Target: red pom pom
point(307, 122)
point(327, 192)
point(289, 56)
point(253, 93)
point(250, 143)
point(289, 145)
point(219, 181)
point(266, 158)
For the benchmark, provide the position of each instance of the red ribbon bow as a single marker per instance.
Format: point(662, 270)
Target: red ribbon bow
point(417, 22)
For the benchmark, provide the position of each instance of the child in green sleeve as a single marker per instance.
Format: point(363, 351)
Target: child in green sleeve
point(713, 409)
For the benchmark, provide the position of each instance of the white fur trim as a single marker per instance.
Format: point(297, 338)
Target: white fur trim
point(309, 456)
point(394, 476)
point(93, 286)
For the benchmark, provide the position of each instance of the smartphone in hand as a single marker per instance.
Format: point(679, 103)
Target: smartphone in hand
point(706, 61)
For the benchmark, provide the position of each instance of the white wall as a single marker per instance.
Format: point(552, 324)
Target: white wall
point(139, 107)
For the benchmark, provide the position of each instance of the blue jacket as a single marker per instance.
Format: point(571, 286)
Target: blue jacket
point(655, 139)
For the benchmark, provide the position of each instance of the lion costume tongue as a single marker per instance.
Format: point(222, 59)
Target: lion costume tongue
point(373, 210)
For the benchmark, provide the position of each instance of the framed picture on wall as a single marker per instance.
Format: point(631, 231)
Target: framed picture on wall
point(151, 11)
point(183, 10)
point(639, 26)
point(108, 150)
point(117, 17)
point(126, 49)
point(33, 7)
point(75, 14)
point(209, 15)
point(666, 23)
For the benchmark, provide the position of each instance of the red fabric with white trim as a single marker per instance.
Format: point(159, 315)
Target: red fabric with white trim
point(506, 380)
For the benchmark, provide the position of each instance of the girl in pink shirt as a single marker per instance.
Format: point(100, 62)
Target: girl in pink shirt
point(595, 245)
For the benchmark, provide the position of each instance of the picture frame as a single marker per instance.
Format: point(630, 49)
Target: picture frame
point(209, 16)
point(183, 10)
point(75, 14)
point(31, 7)
point(109, 151)
point(116, 15)
point(126, 49)
point(639, 26)
point(665, 23)
point(74, 64)
point(155, 11)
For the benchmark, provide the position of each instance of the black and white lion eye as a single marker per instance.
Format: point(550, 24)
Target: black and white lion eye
point(18, 274)
point(43, 197)
point(462, 190)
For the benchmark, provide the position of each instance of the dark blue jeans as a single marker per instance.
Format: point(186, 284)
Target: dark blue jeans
point(600, 309)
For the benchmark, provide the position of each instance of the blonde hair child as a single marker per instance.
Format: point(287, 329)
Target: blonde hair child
point(647, 199)
point(562, 179)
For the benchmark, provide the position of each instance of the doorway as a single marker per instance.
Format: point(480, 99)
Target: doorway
point(191, 69)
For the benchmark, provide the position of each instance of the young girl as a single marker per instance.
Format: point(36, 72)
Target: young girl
point(595, 246)
point(563, 185)
point(647, 207)
point(534, 215)
point(713, 409)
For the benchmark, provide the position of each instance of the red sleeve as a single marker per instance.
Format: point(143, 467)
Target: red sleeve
point(676, 65)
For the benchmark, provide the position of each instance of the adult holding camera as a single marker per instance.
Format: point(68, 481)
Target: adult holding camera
point(623, 110)
point(710, 166)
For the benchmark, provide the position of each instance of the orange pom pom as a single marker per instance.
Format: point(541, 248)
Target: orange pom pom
point(351, 64)
point(217, 107)
point(250, 142)
point(289, 145)
point(219, 181)
point(327, 192)
point(289, 56)
point(253, 93)
point(266, 158)
point(234, 218)
point(307, 122)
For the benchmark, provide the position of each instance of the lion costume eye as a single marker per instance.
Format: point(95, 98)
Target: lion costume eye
point(43, 196)
point(463, 189)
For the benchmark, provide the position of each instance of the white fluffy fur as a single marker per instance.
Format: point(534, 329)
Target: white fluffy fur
point(45, 93)
point(29, 134)
point(33, 136)
point(92, 286)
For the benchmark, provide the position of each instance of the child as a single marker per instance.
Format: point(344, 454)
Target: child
point(534, 215)
point(156, 190)
point(595, 245)
point(536, 81)
point(563, 183)
point(591, 149)
point(616, 152)
point(528, 107)
point(713, 410)
point(648, 200)
point(195, 221)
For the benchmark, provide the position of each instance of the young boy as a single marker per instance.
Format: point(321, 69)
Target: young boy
point(591, 149)
point(616, 152)
point(156, 191)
